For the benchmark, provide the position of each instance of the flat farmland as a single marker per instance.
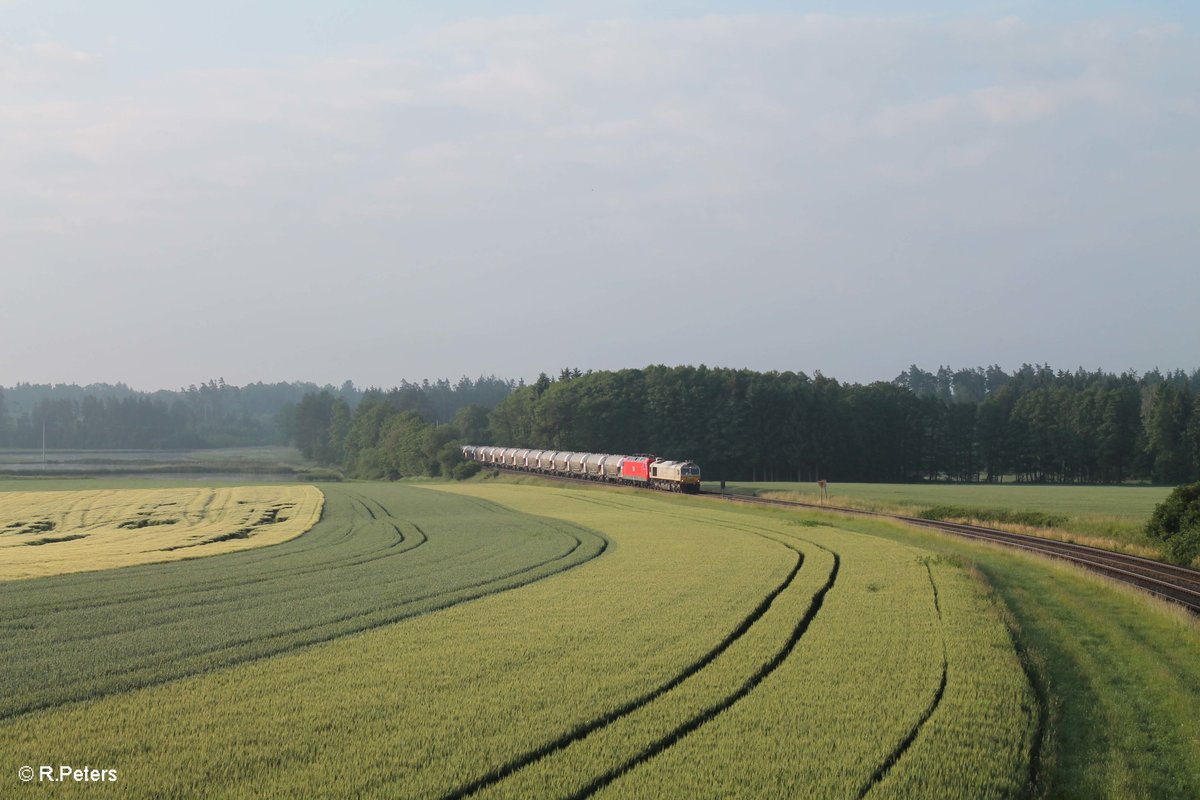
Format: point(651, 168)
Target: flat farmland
point(491, 639)
point(1112, 516)
point(1122, 502)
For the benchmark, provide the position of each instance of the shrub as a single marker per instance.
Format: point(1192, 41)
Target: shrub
point(1184, 547)
point(466, 469)
point(1176, 523)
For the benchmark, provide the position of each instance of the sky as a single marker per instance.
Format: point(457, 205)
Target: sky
point(386, 191)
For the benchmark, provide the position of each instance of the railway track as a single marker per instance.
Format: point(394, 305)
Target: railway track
point(1178, 584)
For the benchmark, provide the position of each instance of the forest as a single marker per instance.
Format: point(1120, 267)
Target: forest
point(1035, 425)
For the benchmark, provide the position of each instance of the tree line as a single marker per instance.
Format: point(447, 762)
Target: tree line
point(211, 414)
point(1039, 425)
point(980, 424)
point(1034, 424)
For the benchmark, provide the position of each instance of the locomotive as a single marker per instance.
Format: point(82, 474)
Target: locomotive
point(637, 470)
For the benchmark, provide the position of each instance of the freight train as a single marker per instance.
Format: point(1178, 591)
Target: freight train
point(639, 470)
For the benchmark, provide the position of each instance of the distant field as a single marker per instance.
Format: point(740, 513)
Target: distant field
point(51, 533)
point(65, 483)
point(281, 462)
point(1112, 516)
point(265, 453)
point(1133, 503)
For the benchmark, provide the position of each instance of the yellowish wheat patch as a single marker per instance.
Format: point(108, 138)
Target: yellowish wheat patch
point(51, 533)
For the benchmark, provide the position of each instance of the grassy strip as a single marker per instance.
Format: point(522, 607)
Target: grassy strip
point(1125, 678)
point(1126, 502)
point(1036, 519)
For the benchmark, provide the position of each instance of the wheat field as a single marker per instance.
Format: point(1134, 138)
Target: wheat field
point(52, 533)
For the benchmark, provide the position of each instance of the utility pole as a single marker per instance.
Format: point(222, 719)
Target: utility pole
point(43, 443)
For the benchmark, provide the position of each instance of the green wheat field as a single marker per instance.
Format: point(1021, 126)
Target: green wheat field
point(509, 639)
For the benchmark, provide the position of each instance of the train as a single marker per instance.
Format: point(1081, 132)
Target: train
point(642, 470)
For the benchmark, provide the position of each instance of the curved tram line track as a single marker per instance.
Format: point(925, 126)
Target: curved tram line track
point(710, 712)
point(1178, 584)
point(934, 702)
point(892, 758)
point(144, 668)
point(659, 745)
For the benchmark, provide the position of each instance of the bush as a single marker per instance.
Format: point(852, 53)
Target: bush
point(320, 474)
point(1176, 523)
point(466, 469)
point(449, 459)
point(1184, 547)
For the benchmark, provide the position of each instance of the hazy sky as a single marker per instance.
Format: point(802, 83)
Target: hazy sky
point(378, 191)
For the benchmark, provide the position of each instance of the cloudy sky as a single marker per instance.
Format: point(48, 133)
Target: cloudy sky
point(378, 191)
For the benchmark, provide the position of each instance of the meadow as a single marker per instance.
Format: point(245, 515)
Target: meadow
point(510, 639)
point(1105, 516)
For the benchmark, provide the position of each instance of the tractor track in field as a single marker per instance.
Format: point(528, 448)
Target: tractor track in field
point(712, 711)
point(905, 743)
point(1031, 673)
point(1177, 584)
point(389, 550)
point(284, 573)
point(935, 701)
point(360, 620)
point(586, 729)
